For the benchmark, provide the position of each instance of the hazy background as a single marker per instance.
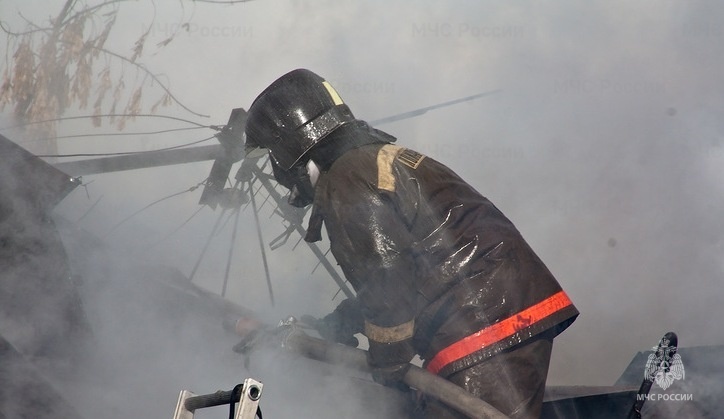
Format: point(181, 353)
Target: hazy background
point(603, 146)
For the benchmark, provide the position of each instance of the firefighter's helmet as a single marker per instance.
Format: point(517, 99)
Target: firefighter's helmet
point(293, 114)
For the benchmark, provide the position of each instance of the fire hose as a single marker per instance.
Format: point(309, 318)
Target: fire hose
point(290, 337)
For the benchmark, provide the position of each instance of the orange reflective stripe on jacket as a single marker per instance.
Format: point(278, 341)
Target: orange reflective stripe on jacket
point(499, 331)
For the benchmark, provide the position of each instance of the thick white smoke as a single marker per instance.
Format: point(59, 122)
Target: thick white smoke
point(604, 146)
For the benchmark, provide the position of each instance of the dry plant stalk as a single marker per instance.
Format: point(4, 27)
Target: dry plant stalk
point(42, 83)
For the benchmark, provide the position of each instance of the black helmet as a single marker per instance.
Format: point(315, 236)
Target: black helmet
point(293, 114)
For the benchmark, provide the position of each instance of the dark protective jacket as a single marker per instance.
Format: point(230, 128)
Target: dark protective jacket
point(438, 269)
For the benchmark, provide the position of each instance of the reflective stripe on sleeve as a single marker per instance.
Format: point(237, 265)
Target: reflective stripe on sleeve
point(389, 334)
point(499, 331)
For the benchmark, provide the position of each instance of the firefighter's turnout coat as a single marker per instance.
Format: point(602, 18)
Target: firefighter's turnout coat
point(439, 271)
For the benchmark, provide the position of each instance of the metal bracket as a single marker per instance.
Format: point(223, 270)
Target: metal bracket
point(249, 402)
point(189, 402)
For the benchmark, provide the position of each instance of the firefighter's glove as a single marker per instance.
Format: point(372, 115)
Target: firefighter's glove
point(330, 330)
point(392, 376)
point(341, 325)
point(390, 362)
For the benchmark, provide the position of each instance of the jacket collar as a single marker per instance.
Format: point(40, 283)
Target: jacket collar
point(349, 136)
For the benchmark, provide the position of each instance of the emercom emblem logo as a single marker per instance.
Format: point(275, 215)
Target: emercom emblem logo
point(664, 365)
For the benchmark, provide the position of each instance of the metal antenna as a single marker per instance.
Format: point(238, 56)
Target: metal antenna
point(206, 246)
point(231, 249)
point(261, 242)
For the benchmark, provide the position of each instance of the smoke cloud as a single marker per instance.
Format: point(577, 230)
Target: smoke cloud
point(603, 146)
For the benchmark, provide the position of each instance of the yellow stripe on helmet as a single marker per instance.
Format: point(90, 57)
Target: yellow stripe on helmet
point(335, 96)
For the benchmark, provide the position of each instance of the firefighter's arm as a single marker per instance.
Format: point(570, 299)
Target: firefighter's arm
point(373, 245)
point(380, 262)
point(342, 324)
point(390, 351)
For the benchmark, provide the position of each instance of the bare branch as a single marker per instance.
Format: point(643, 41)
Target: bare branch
point(90, 9)
point(11, 33)
point(44, 89)
point(68, 118)
point(153, 76)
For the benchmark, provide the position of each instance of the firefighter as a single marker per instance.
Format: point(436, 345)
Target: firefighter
point(438, 270)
